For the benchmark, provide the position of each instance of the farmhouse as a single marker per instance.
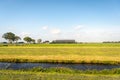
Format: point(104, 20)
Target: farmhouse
point(63, 41)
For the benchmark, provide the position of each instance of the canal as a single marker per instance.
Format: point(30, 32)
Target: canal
point(17, 66)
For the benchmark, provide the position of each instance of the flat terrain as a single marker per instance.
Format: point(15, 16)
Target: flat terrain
point(27, 75)
point(65, 53)
point(108, 53)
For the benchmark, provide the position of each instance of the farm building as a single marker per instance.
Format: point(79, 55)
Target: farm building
point(46, 42)
point(63, 41)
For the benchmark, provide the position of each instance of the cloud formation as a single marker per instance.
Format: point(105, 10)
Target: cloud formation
point(78, 27)
point(80, 33)
point(45, 27)
point(23, 34)
point(55, 31)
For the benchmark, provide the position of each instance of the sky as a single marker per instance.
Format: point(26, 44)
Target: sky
point(82, 20)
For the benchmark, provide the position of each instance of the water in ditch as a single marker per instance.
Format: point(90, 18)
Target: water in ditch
point(17, 66)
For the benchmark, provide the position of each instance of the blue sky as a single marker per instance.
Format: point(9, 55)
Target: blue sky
point(82, 20)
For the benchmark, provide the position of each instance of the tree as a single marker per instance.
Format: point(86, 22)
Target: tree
point(27, 39)
point(9, 36)
point(33, 40)
point(16, 38)
point(39, 40)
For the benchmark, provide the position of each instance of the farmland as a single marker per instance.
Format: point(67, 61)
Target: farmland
point(93, 53)
point(62, 53)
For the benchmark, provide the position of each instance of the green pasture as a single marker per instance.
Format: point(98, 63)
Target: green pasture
point(101, 53)
point(28, 75)
point(96, 53)
point(65, 45)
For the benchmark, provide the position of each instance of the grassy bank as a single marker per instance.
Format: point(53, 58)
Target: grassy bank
point(37, 75)
point(73, 71)
point(62, 53)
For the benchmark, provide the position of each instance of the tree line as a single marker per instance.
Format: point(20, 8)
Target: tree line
point(11, 37)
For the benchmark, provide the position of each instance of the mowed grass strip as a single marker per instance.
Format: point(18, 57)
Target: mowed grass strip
point(104, 55)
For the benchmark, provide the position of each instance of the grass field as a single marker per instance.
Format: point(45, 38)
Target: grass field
point(65, 53)
point(27, 75)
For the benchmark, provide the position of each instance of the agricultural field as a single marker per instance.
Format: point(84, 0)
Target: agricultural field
point(95, 53)
point(62, 53)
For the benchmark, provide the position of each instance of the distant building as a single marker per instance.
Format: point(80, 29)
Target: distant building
point(3, 42)
point(46, 42)
point(63, 41)
point(20, 42)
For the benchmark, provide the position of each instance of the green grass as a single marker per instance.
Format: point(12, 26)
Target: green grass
point(65, 45)
point(72, 71)
point(62, 53)
point(28, 75)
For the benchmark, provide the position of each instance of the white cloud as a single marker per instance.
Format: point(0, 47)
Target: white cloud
point(78, 27)
point(96, 35)
point(81, 33)
point(45, 27)
point(55, 31)
point(23, 34)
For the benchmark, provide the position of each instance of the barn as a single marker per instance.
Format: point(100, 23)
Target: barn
point(63, 41)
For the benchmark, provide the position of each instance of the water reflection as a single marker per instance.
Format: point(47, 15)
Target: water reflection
point(49, 65)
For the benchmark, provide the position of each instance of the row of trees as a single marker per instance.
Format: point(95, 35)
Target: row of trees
point(11, 37)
